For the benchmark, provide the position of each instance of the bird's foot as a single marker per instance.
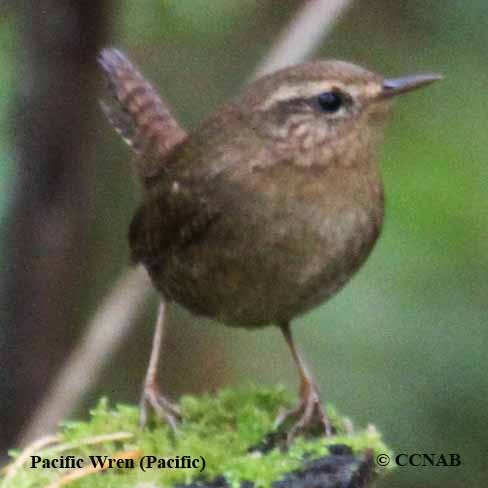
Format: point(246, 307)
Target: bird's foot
point(309, 413)
point(153, 399)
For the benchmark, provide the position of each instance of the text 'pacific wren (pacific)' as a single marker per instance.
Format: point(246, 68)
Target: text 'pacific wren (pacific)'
point(264, 211)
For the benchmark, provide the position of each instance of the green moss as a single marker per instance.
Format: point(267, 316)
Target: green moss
point(220, 428)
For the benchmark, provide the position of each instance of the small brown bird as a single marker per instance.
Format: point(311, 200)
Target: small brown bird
point(264, 211)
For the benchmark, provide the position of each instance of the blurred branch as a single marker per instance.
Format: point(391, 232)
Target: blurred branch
point(304, 33)
point(107, 330)
point(49, 218)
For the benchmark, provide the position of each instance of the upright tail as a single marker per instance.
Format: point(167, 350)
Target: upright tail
point(138, 114)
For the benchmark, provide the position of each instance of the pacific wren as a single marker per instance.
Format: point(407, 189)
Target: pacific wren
point(264, 211)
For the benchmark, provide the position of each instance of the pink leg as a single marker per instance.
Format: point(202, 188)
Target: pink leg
point(309, 411)
point(152, 398)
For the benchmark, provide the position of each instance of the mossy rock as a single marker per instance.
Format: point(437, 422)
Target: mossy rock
point(231, 430)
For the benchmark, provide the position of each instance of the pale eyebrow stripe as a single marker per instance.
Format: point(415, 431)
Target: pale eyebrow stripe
point(288, 92)
point(310, 89)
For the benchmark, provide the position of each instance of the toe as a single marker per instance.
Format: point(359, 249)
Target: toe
point(165, 410)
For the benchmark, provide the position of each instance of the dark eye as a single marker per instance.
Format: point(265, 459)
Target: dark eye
point(330, 101)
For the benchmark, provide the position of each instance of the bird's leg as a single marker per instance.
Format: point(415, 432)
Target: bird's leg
point(152, 398)
point(309, 411)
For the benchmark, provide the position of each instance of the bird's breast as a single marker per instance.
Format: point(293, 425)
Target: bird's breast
point(278, 250)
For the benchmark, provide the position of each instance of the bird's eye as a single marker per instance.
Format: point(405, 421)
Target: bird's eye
point(330, 101)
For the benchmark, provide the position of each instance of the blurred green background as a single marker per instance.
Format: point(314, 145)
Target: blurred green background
point(403, 345)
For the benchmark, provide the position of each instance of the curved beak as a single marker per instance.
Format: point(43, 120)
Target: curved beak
point(397, 86)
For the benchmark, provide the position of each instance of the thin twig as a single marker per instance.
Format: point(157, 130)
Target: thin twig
point(303, 34)
point(38, 447)
point(11, 469)
point(87, 441)
point(76, 474)
point(112, 322)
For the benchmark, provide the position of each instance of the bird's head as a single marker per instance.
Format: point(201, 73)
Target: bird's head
point(325, 103)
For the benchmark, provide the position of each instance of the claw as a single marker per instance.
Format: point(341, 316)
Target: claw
point(164, 409)
point(310, 413)
point(152, 398)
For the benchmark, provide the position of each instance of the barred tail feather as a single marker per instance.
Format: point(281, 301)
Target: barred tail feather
point(138, 114)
